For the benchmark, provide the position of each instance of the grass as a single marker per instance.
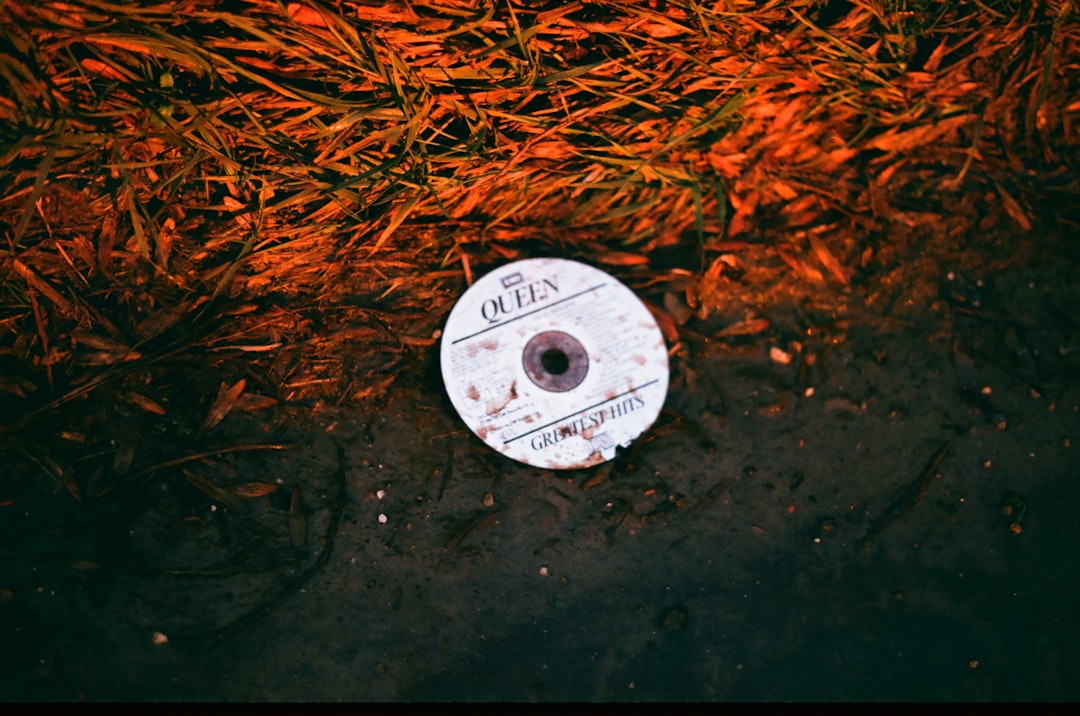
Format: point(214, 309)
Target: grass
point(294, 193)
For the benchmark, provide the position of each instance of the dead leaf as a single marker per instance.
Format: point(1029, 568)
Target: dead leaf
point(160, 321)
point(108, 357)
point(745, 328)
point(223, 403)
point(125, 454)
point(602, 474)
point(800, 267)
point(255, 489)
point(141, 401)
point(896, 140)
point(163, 245)
point(99, 342)
point(1012, 208)
point(73, 488)
point(254, 401)
point(237, 209)
point(622, 258)
point(211, 490)
point(417, 340)
point(665, 322)
point(828, 260)
point(303, 15)
point(728, 246)
point(386, 13)
point(676, 307)
point(46, 289)
point(784, 191)
point(98, 67)
point(743, 211)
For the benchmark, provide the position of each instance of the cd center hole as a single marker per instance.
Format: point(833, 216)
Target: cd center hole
point(555, 361)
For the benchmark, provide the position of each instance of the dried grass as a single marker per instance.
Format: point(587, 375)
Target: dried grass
point(296, 192)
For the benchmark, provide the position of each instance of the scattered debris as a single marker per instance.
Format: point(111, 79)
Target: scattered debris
point(1014, 509)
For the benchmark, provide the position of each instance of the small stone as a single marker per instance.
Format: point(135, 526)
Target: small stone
point(779, 355)
point(382, 518)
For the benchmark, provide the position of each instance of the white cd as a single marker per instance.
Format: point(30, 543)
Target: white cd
point(554, 363)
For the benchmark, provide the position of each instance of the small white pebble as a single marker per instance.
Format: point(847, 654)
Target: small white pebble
point(543, 571)
point(380, 494)
point(158, 638)
point(382, 518)
point(213, 508)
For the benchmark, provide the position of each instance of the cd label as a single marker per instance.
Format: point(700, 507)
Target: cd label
point(554, 363)
point(507, 303)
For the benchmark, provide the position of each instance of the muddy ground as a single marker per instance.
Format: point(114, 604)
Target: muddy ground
point(891, 516)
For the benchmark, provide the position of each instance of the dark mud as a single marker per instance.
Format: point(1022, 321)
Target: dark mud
point(890, 519)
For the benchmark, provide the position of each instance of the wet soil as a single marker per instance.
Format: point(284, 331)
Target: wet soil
point(888, 516)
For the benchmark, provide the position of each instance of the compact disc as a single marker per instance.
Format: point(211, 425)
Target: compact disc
point(554, 363)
